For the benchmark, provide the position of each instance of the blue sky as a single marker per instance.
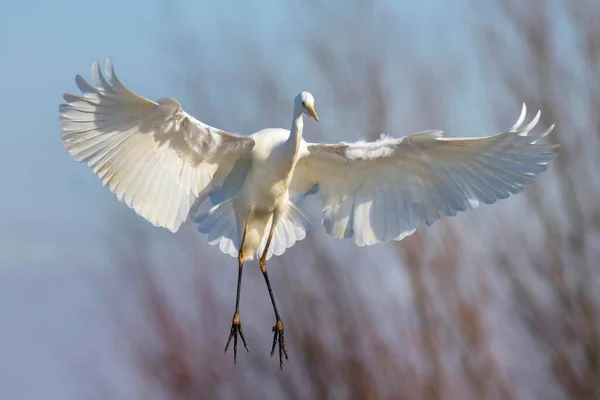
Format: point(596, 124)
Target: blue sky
point(53, 210)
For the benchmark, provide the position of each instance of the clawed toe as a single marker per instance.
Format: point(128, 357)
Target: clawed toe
point(278, 339)
point(236, 328)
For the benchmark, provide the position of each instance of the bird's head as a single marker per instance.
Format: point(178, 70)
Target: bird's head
point(305, 103)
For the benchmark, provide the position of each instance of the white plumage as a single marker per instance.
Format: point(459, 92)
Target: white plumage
point(162, 162)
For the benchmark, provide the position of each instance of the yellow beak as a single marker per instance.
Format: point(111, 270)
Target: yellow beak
point(312, 112)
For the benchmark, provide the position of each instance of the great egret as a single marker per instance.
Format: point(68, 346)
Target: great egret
point(163, 163)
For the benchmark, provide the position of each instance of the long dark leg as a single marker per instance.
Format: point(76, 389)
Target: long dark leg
point(236, 325)
point(278, 328)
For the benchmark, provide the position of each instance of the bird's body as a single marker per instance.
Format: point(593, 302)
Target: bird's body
point(163, 163)
point(265, 191)
point(257, 194)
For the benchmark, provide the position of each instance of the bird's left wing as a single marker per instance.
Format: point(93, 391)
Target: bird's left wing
point(155, 157)
point(381, 191)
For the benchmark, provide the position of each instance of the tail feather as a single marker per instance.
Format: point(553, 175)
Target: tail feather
point(222, 227)
point(291, 228)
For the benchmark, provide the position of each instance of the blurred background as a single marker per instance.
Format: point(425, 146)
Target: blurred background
point(498, 303)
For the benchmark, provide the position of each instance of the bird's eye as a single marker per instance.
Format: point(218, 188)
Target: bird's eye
point(303, 103)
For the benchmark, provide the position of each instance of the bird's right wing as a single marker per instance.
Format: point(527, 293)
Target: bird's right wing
point(155, 157)
point(381, 191)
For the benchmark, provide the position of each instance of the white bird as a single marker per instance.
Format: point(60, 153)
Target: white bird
point(163, 163)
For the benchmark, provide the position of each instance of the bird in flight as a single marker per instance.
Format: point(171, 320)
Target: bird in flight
point(163, 163)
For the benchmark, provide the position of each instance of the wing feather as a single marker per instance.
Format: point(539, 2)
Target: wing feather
point(152, 155)
point(381, 191)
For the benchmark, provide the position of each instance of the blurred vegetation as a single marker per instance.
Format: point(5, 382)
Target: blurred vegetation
point(499, 304)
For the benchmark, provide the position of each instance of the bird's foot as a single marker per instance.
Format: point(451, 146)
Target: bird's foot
point(279, 339)
point(236, 327)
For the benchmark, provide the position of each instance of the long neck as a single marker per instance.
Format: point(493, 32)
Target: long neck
point(296, 132)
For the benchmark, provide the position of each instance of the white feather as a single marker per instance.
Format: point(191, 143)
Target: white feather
point(163, 163)
point(155, 157)
point(383, 190)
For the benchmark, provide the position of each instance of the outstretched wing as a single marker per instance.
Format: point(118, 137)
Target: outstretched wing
point(155, 157)
point(381, 191)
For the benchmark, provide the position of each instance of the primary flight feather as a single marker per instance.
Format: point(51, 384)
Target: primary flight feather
point(163, 163)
